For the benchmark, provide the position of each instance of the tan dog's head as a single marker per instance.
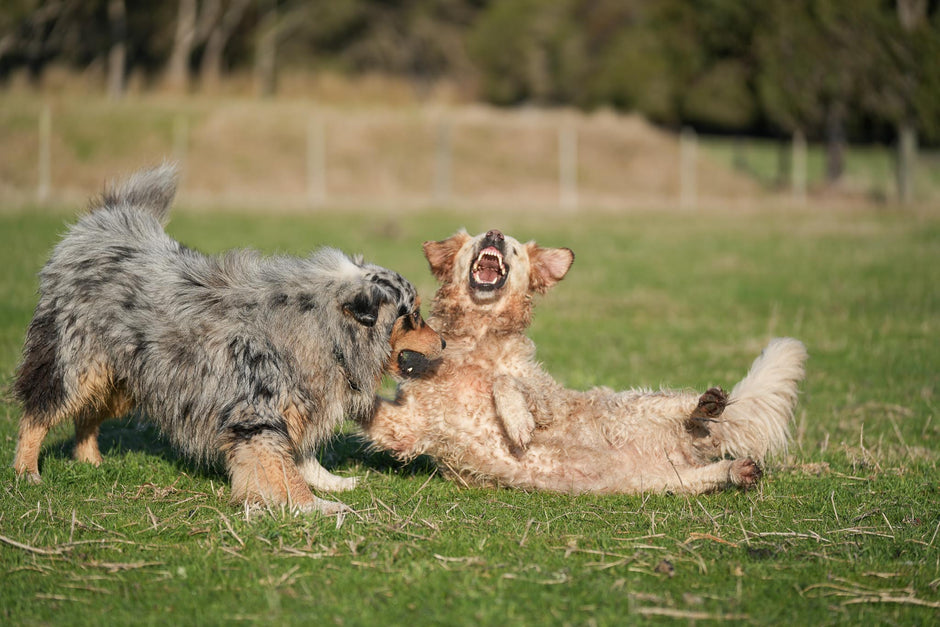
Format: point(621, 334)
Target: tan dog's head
point(489, 279)
point(415, 345)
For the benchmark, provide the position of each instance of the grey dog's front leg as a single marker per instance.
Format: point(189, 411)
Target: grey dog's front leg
point(513, 410)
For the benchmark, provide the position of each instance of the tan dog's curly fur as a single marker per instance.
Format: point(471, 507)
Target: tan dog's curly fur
point(489, 413)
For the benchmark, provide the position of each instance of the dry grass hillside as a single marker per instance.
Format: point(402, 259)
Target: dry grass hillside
point(293, 153)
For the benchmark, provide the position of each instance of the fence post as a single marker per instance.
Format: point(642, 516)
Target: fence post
point(688, 141)
point(798, 171)
point(44, 178)
point(316, 161)
point(443, 161)
point(568, 167)
point(180, 139)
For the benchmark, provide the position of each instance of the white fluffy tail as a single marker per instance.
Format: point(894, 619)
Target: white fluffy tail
point(756, 422)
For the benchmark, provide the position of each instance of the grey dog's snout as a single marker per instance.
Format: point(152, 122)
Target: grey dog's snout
point(413, 364)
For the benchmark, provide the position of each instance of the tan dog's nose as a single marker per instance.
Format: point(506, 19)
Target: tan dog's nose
point(495, 234)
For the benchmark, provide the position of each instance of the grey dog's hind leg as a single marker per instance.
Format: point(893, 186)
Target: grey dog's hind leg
point(88, 421)
point(90, 399)
point(26, 459)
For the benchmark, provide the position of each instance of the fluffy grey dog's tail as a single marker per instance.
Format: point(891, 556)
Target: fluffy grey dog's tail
point(149, 190)
point(756, 422)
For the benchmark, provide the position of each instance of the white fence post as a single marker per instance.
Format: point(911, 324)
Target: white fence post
point(180, 139)
point(316, 161)
point(798, 173)
point(44, 179)
point(568, 167)
point(443, 161)
point(688, 141)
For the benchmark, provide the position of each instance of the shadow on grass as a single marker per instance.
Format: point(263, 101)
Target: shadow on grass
point(346, 449)
point(130, 434)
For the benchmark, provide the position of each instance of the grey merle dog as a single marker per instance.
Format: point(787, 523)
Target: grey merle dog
point(252, 360)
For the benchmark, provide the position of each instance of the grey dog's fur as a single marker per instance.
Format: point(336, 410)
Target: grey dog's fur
point(246, 358)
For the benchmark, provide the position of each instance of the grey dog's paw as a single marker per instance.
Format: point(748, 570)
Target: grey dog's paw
point(323, 507)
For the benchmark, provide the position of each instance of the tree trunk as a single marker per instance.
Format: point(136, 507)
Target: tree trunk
point(835, 142)
point(798, 175)
point(907, 161)
point(177, 73)
point(117, 56)
point(266, 52)
point(210, 70)
point(911, 14)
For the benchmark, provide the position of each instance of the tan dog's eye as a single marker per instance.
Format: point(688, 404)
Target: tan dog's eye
point(416, 316)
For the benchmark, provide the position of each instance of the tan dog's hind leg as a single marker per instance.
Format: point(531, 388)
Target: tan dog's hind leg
point(512, 409)
point(26, 460)
point(744, 473)
point(320, 478)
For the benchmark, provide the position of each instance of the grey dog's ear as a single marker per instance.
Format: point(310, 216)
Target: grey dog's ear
point(364, 307)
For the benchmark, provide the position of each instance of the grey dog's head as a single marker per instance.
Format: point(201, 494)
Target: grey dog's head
point(415, 346)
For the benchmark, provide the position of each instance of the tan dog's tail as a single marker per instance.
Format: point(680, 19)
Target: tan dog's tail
point(756, 422)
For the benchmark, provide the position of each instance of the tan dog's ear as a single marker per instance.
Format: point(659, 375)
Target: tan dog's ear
point(549, 266)
point(441, 254)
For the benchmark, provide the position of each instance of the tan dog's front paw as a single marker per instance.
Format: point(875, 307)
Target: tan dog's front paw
point(519, 430)
point(514, 413)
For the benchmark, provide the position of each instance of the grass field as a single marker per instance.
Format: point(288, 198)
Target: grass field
point(843, 531)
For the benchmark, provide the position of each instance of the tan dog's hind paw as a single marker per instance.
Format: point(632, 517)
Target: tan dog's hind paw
point(745, 473)
point(710, 405)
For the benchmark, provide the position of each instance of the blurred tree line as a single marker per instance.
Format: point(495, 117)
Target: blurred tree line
point(839, 70)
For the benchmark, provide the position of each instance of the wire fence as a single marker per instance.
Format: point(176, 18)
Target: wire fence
point(295, 155)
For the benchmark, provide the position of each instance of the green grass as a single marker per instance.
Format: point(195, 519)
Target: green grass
point(843, 531)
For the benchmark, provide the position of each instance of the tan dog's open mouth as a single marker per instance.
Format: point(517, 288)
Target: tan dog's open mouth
point(489, 269)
